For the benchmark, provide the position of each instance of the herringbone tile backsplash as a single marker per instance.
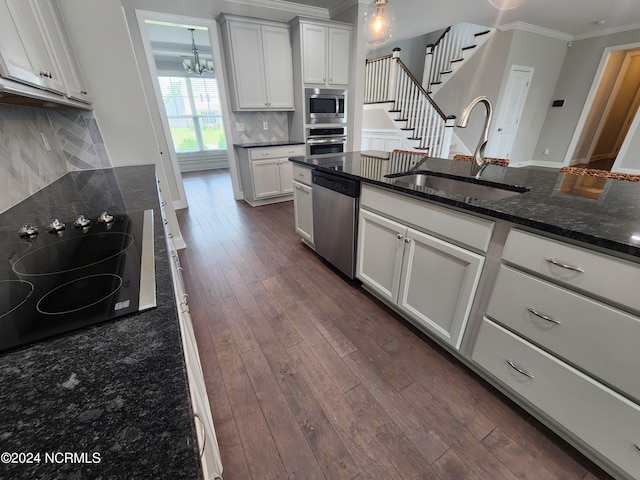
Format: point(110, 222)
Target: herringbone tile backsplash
point(26, 165)
point(253, 127)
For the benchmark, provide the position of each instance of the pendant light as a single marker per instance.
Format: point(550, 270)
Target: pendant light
point(198, 66)
point(379, 22)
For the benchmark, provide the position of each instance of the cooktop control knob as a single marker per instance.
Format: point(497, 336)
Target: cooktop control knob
point(105, 218)
point(27, 230)
point(56, 225)
point(81, 221)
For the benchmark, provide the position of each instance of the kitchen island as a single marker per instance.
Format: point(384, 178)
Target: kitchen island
point(603, 215)
point(536, 291)
point(114, 394)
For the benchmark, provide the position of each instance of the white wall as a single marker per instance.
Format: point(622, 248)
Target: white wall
point(108, 63)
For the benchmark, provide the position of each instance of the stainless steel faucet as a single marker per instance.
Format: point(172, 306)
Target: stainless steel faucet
point(479, 163)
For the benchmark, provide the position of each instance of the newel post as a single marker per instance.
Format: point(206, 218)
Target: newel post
point(393, 74)
point(428, 67)
point(447, 136)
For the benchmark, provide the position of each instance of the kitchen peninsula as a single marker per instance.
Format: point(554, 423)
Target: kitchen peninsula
point(536, 292)
point(118, 389)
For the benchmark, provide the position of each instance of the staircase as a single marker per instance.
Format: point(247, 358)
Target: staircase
point(454, 47)
point(390, 86)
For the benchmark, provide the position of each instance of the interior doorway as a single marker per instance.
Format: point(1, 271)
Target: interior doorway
point(609, 111)
point(193, 110)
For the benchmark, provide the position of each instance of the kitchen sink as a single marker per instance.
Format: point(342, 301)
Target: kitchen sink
point(466, 186)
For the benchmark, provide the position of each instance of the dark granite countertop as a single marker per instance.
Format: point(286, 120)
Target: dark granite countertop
point(603, 213)
point(279, 143)
point(118, 389)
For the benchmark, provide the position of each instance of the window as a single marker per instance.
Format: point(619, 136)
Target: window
point(193, 110)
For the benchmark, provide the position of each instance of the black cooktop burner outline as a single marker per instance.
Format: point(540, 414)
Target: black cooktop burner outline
point(131, 241)
point(23, 300)
point(7, 250)
point(67, 284)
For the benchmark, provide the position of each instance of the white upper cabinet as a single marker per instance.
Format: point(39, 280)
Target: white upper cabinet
point(26, 55)
point(260, 63)
point(63, 50)
point(35, 50)
point(325, 54)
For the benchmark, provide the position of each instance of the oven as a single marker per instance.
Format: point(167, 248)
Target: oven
point(325, 105)
point(326, 140)
point(72, 274)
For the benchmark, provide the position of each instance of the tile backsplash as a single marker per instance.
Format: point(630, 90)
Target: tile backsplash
point(254, 132)
point(38, 146)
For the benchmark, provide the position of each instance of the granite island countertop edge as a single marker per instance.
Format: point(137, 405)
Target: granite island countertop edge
point(541, 208)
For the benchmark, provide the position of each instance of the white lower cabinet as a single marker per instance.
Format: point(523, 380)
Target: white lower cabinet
point(266, 173)
point(207, 442)
point(603, 420)
point(429, 279)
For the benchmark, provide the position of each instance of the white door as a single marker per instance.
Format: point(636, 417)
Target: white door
point(511, 107)
point(439, 281)
point(380, 246)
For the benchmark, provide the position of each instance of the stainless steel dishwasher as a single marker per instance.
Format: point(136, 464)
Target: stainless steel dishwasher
point(335, 219)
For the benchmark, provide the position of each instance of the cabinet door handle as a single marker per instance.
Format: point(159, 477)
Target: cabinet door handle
point(637, 446)
point(564, 265)
point(400, 236)
point(407, 240)
point(519, 370)
point(544, 317)
point(204, 433)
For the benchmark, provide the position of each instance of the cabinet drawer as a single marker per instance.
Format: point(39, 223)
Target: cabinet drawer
point(463, 229)
point(609, 278)
point(260, 153)
point(585, 327)
point(302, 174)
point(602, 419)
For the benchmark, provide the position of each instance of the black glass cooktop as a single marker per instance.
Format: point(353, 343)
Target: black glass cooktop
point(53, 283)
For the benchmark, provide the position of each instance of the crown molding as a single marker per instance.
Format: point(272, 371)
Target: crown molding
point(527, 27)
point(608, 31)
point(284, 6)
point(344, 5)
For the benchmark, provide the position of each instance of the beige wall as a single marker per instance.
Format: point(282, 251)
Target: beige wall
point(573, 86)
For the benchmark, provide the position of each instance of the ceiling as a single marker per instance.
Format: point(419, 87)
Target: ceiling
point(573, 19)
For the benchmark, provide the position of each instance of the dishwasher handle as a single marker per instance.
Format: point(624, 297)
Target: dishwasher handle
point(335, 183)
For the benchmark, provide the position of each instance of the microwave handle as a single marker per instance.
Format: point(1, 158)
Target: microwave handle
point(326, 140)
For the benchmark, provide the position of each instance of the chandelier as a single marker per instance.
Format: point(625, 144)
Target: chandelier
point(379, 22)
point(197, 65)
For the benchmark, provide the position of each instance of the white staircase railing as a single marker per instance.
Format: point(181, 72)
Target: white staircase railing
point(387, 79)
point(448, 50)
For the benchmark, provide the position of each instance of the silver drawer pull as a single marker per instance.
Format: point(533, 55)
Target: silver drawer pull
point(204, 433)
point(544, 317)
point(519, 370)
point(564, 265)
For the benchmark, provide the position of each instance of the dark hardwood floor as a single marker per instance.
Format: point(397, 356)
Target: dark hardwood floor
point(310, 378)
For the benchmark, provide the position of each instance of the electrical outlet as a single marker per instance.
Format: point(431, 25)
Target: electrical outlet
point(265, 125)
point(240, 127)
point(45, 140)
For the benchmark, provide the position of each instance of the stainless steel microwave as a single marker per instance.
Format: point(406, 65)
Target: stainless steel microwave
point(325, 105)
